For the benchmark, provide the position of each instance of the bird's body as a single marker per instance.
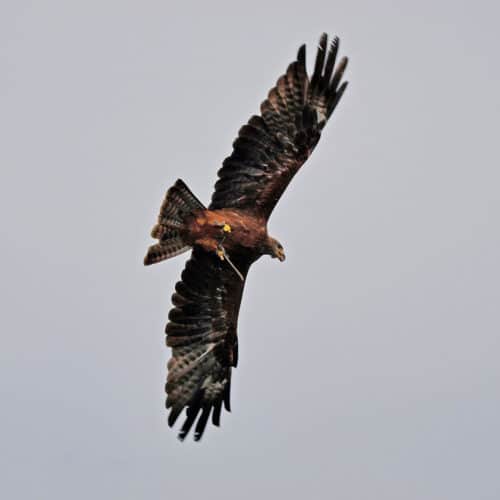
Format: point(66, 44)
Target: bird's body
point(229, 235)
point(247, 232)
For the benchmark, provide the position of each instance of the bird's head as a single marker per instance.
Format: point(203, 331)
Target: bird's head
point(276, 249)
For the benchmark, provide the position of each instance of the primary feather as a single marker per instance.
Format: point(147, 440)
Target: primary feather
point(272, 147)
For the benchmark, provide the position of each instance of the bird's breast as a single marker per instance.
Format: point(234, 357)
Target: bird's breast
point(234, 228)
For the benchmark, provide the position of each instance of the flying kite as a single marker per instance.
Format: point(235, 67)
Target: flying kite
point(231, 234)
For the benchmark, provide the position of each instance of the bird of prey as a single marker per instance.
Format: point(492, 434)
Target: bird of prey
point(231, 234)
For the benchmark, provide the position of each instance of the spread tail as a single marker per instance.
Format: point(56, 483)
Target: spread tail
point(179, 203)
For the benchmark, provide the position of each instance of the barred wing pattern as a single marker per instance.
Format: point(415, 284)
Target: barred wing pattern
point(272, 147)
point(202, 334)
point(268, 152)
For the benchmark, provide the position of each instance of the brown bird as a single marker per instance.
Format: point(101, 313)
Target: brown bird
point(231, 234)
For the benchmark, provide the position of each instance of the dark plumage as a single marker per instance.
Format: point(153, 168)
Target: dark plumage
point(232, 233)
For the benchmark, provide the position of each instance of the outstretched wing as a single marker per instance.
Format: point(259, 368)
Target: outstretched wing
point(202, 334)
point(272, 147)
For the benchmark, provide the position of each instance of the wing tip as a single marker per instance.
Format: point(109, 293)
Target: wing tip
point(301, 55)
point(192, 413)
point(323, 40)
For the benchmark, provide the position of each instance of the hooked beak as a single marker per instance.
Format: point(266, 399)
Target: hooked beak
point(281, 256)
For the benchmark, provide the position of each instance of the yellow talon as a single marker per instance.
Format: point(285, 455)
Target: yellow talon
point(220, 253)
point(226, 228)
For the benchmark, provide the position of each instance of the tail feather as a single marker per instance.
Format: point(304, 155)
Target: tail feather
point(179, 203)
point(170, 245)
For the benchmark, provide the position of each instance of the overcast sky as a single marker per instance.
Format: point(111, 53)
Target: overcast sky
point(369, 360)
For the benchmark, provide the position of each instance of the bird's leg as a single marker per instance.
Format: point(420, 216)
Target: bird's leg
point(222, 254)
point(226, 229)
point(221, 251)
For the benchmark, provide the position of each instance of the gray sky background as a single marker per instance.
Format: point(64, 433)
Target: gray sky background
point(369, 360)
